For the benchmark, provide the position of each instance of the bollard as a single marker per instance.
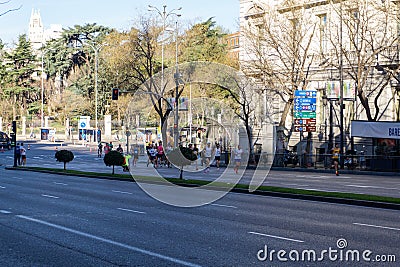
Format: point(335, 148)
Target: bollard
point(29, 147)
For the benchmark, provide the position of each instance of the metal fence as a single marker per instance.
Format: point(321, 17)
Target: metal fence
point(351, 162)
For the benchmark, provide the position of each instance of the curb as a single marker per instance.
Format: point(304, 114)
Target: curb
point(355, 172)
point(346, 201)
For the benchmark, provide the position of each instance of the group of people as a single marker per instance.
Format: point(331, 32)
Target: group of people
point(208, 152)
point(156, 155)
point(107, 148)
point(20, 152)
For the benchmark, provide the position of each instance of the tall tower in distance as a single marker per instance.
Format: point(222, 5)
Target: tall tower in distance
point(36, 30)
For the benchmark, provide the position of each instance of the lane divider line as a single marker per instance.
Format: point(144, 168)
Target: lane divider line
point(5, 212)
point(57, 183)
point(49, 196)
point(108, 241)
point(224, 206)
point(134, 211)
point(2, 187)
point(277, 237)
point(122, 192)
point(377, 226)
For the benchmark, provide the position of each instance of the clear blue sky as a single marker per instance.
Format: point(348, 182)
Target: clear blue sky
point(119, 14)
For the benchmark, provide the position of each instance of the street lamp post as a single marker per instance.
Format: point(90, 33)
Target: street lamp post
point(96, 49)
point(42, 90)
point(341, 89)
point(164, 15)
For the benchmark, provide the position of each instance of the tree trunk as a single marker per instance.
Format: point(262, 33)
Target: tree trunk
point(181, 173)
point(65, 166)
point(113, 170)
point(286, 110)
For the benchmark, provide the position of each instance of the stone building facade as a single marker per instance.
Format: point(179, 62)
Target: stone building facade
point(318, 45)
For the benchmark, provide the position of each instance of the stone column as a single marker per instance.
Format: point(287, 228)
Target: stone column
point(107, 126)
point(46, 122)
point(23, 126)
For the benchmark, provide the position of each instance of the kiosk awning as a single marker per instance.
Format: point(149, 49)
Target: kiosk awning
point(371, 129)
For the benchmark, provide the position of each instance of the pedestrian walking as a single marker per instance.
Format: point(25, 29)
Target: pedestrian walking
point(99, 150)
point(23, 154)
point(196, 152)
point(125, 165)
point(207, 155)
point(18, 154)
point(135, 155)
point(153, 155)
point(120, 149)
point(335, 158)
point(217, 155)
point(106, 149)
point(160, 154)
point(237, 156)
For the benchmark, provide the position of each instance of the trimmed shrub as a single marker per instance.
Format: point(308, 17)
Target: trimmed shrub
point(113, 158)
point(64, 156)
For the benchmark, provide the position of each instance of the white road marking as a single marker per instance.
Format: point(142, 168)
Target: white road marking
point(2, 187)
point(225, 206)
point(122, 192)
point(5, 212)
point(293, 184)
point(115, 243)
point(49, 196)
point(59, 183)
point(134, 211)
point(377, 226)
point(277, 237)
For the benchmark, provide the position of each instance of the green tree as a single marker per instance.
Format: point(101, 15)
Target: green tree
point(19, 85)
point(64, 156)
point(202, 42)
point(113, 158)
point(70, 60)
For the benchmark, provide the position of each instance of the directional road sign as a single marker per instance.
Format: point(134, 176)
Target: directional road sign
point(304, 115)
point(305, 93)
point(305, 121)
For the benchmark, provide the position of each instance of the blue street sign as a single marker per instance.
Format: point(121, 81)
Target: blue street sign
point(305, 93)
point(305, 100)
point(305, 108)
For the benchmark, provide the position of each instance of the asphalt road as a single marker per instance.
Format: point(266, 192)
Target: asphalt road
point(87, 160)
point(49, 220)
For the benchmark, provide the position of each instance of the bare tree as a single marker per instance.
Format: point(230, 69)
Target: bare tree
point(367, 41)
point(8, 10)
point(279, 52)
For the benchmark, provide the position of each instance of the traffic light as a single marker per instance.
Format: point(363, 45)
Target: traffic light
point(115, 94)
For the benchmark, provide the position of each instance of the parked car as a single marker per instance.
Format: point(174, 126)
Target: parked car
point(5, 141)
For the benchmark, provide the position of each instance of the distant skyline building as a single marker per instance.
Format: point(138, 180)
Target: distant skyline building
point(38, 35)
point(36, 30)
